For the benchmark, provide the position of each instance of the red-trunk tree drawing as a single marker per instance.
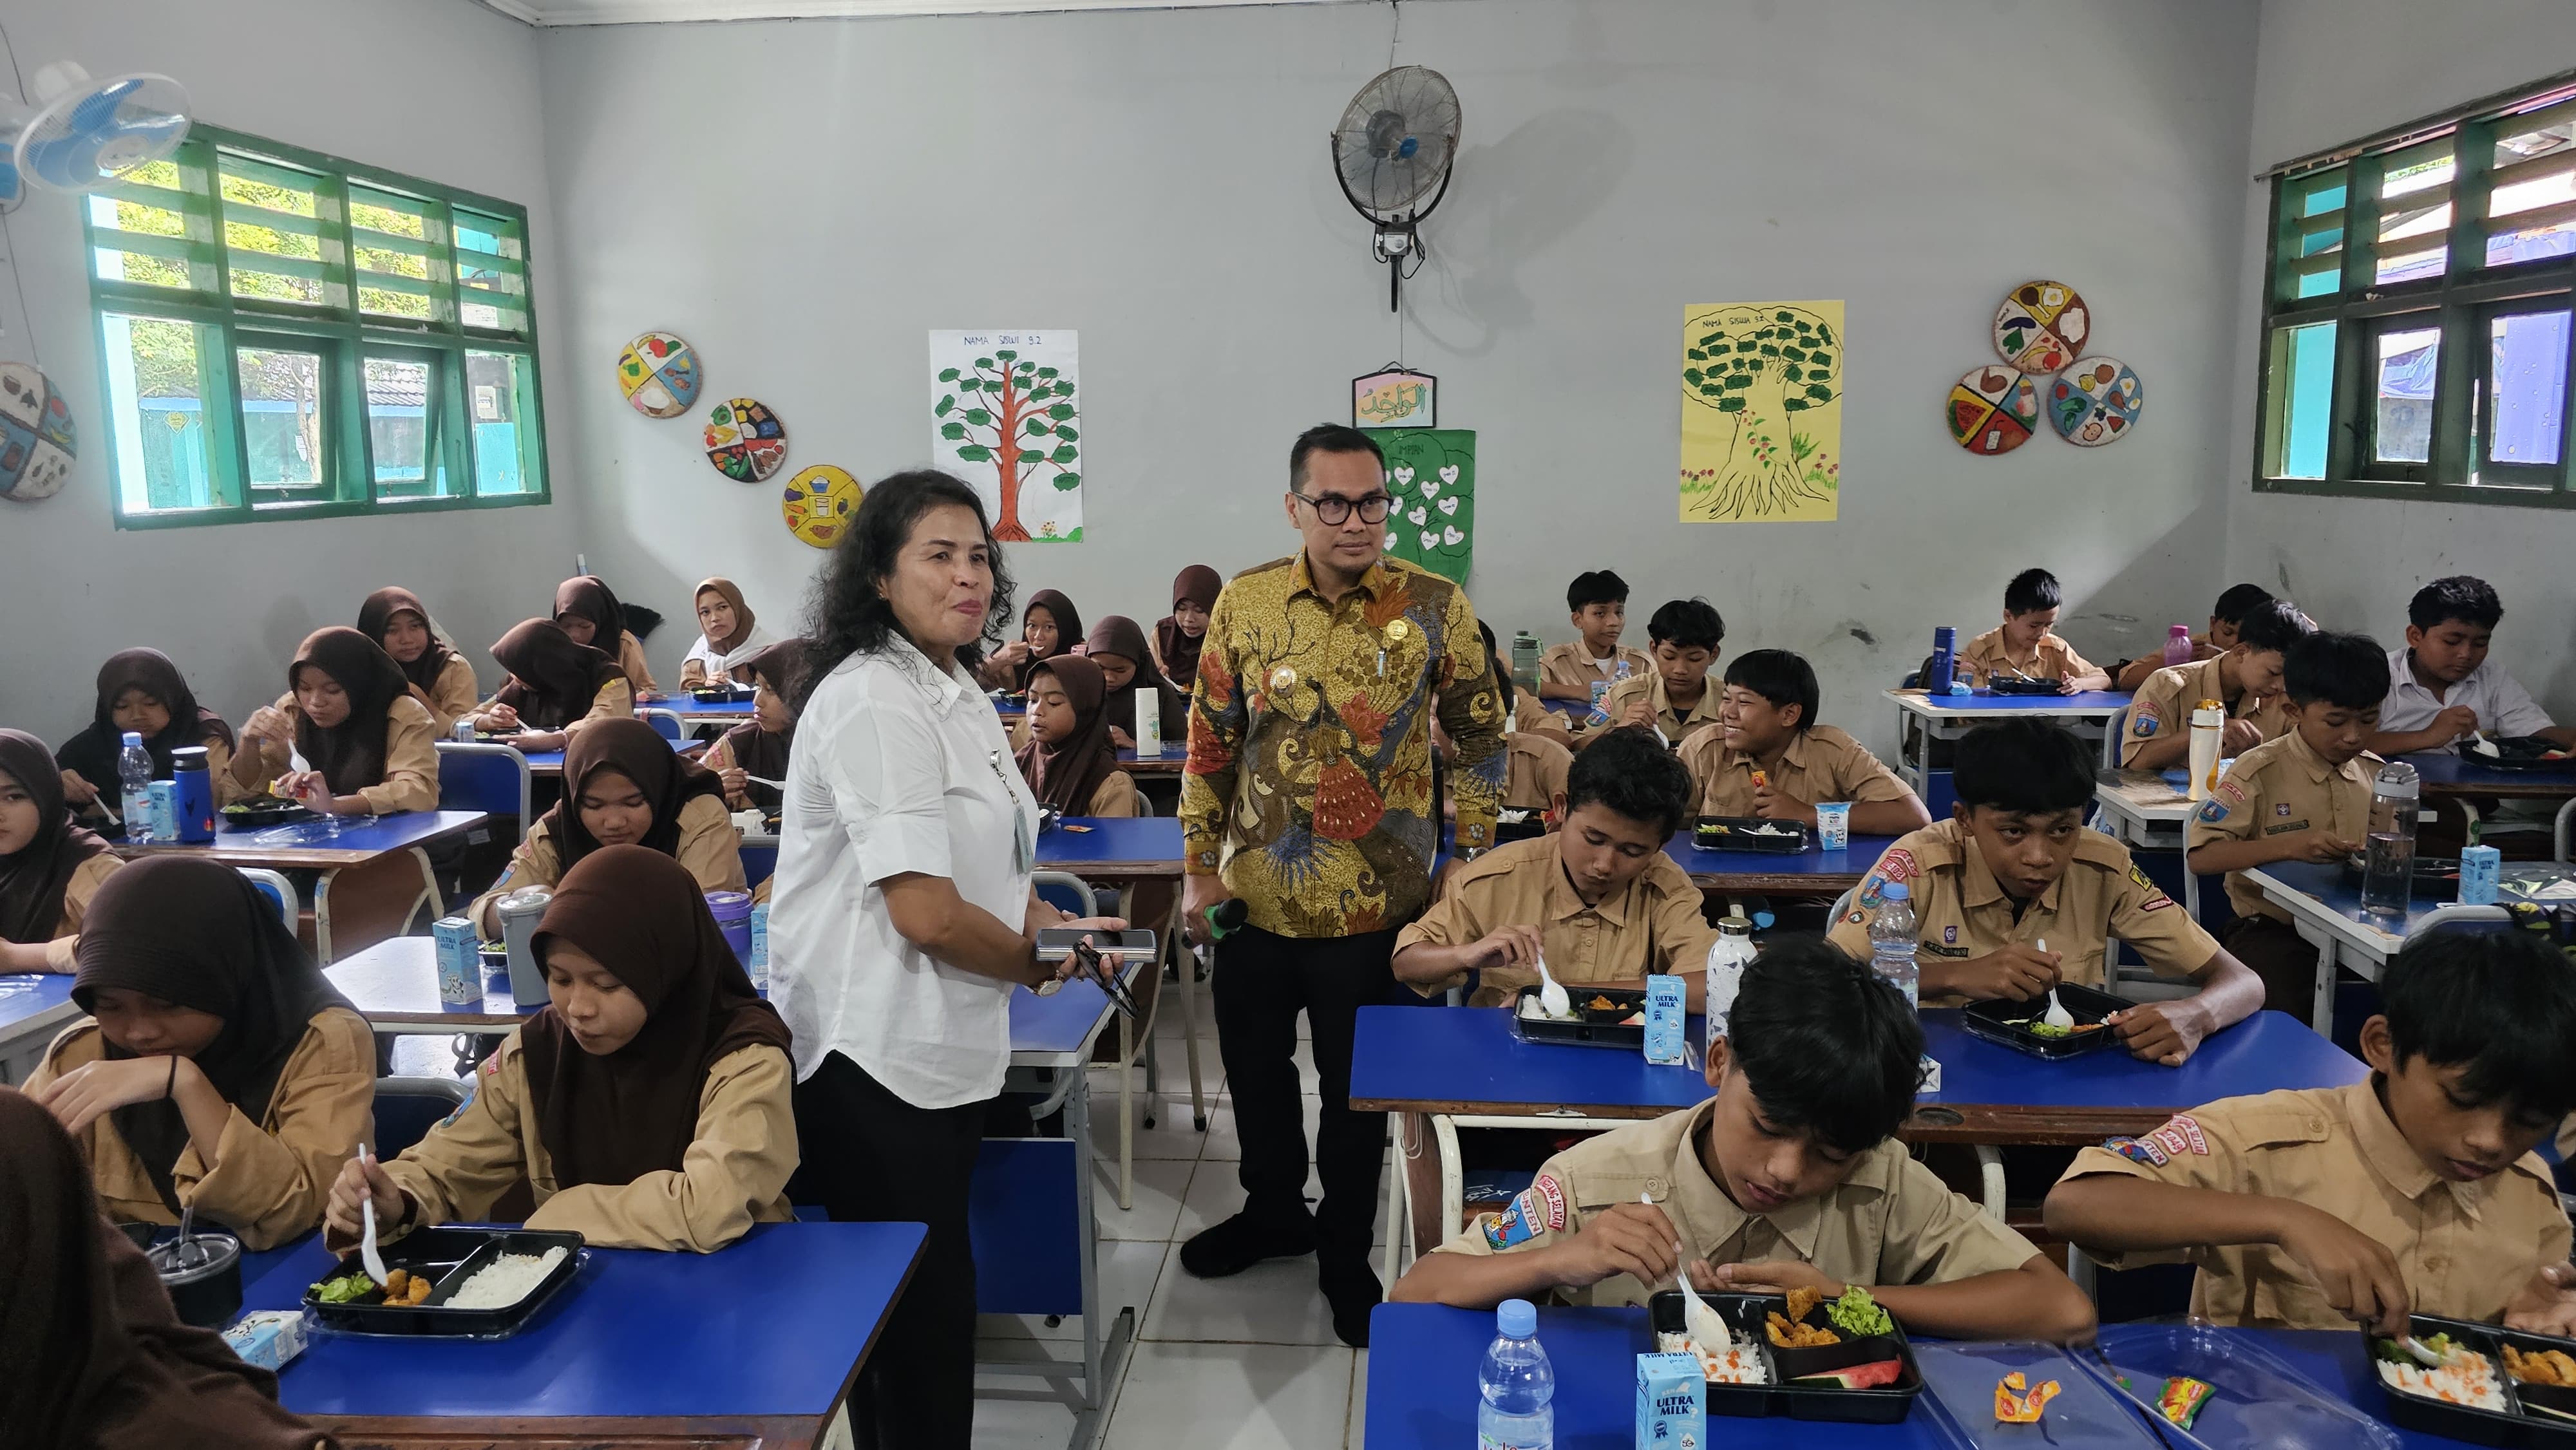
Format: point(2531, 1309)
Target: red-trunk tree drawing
point(1017, 416)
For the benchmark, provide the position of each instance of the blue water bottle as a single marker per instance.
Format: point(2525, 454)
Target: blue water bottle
point(1516, 1383)
point(1945, 659)
point(192, 796)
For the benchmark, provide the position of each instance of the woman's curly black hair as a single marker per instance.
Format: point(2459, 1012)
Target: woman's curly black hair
point(849, 613)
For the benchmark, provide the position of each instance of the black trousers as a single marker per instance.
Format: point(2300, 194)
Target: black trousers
point(2285, 961)
point(869, 1156)
point(1260, 984)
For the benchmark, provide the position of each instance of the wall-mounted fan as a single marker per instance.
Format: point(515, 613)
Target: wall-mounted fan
point(1392, 153)
point(83, 133)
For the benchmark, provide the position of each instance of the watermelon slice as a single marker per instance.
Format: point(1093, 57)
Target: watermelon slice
point(1868, 1376)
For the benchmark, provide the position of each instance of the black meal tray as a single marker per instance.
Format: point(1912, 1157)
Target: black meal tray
point(1738, 833)
point(2436, 875)
point(264, 811)
point(449, 1256)
point(1747, 1314)
point(2003, 685)
point(1591, 1028)
point(720, 694)
point(1534, 823)
point(1991, 1020)
point(495, 737)
point(2520, 752)
point(2513, 1426)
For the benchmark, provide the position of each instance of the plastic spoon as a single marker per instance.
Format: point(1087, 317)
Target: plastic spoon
point(1702, 1323)
point(368, 1258)
point(2485, 745)
point(2432, 1358)
point(2056, 1016)
point(1551, 997)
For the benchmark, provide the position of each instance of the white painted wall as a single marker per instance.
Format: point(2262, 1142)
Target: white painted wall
point(2333, 71)
point(434, 88)
point(804, 200)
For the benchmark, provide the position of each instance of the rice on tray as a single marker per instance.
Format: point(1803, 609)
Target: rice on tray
point(1737, 1364)
point(505, 1281)
point(2469, 1379)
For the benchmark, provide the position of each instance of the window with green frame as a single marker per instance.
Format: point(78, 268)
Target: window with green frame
point(288, 335)
point(2416, 336)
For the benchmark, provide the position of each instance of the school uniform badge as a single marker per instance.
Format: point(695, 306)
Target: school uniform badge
point(2213, 810)
point(2137, 1150)
point(2144, 719)
point(2282, 809)
point(1521, 1220)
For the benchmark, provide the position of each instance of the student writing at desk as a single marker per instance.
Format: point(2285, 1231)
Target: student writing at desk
point(2246, 680)
point(2443, 688)
point(2026, 645)
point(1769, 757)
point(368, 746)
point(556, 688)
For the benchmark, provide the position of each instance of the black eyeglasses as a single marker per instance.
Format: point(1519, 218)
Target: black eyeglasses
point(1334, 509)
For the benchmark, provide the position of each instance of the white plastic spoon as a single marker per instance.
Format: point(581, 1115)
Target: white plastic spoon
point(2056, 1016)
point(1551, 997)
point(373, 1262)
point(1705, 1328)
point(2485, 745)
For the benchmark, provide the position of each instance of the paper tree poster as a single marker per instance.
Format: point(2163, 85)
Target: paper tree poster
point(1431, 474)
point(1005, 418)
point(1762, 412)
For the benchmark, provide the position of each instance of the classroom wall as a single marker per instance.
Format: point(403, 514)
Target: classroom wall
point(2333, 71)
point(435, 88)
point(802, 200)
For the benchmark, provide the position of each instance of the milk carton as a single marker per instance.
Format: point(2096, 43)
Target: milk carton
point(460, 969)
point(1671, 1411)
point(1666, 1021)
point(2480, 869)
point(268, 1338)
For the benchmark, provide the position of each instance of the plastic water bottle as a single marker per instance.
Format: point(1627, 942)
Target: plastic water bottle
point(1891, 941)
point(134, 779)
point(1517, 1382)
point(1728, 956)
point(759, 964)
point(1525, 654)
point(2178, 649)
point(2388, 868)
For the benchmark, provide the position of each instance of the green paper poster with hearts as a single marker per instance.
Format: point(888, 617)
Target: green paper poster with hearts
point(1431, 474)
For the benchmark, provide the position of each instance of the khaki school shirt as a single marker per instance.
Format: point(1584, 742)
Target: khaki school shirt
point(1677, 727)
point(1962, 912)
point(453, 695)
point(269, 1179)
point(2464, 1248)
point(1892, 1221)
point(630, 658)
point(60, 953)
point(1986, 656)
point(2164, 704)
point(733, 1175)
point(1534, 775)
point(2277, 789)
point(411, 761)
point(709, 846)
point(1573, 666)
point(1821, 764)
point(1653, 925)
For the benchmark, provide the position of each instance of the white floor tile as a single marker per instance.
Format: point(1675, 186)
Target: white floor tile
point(1128, 1270)
point(1216, 1194)
point(1011, 1413)
point(1273, 1302)
point(1160, 1186)
point(1232, 1397)
point(1173, 1135)
point(1226, 1145)
point(1358, 1422)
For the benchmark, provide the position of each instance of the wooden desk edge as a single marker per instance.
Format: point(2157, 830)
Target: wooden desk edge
point(1997, 1123)
point(1117, 870)
point(475, 1432)
point(1827, 884)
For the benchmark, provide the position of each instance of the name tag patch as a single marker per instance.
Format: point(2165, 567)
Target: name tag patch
point(2285, 828)
point(1943, 950)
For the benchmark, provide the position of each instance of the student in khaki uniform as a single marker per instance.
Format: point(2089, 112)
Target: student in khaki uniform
point(217, 1070)
point(2414, 1192)
point(1675, 696)
point(556, 688)
point(1068, 761)
point(348, 710)
point(2303, 797)
point(1788, 1177)
point(1535, 772)
point(2246, 679)
point(756, 750)
point(2013, 894)
point(1598, 897)
point(2224, 617)
point(141, 691)
point(1598, 604)
point(648, 1104)
point(2026, 646)
point(439, 677)
point(50, 868)
point(623, 785)
point(586, 610)
point(1769, 758)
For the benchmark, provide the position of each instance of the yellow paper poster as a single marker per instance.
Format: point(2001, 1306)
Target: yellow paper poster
point(1762, 412)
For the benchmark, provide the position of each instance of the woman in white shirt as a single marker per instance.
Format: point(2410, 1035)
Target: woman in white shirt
point(903, 917)
point(727, 635)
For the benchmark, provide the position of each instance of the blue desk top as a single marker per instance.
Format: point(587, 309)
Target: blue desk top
point(690, 708)
point(2325, 882)
point(1471, 1055)
point(1134, 840)
point(2266, 1051)
point(28, 994)
point(2466, 773)
point(361, 838)
point(771, 1325)
point(1174, 756)
point(1853, 861)
point(2084, 703)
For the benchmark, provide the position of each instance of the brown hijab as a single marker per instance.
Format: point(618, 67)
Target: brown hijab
point(376, 615)
point(732, 596)
point(637, 751)
point(781, 667)
point(1068, 626)
point(588, 596)
point(97, 1358)
point(33, 881)
point(1065, 775)
point(195, 933)
point(93, 752)
point(1197, 584)
point(351, 754)
point(1118, 635)
point(552, 680)
point(612, 1119)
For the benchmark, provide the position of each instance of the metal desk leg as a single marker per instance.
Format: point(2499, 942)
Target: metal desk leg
point(1186, 968)
point(2560, 836)
point(1399, 1211)
point(1990, 1166)
point(1126, 1113)
point(2080, 1269)
point(2321, 1016)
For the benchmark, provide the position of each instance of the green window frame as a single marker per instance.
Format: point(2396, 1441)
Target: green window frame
point(2419, 289)
point(284, 334)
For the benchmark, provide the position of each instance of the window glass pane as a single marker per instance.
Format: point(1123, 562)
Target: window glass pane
point(504, 454)
point(278, 235)
point(397, 239)
point(2414, 213)
point(283, 429)
point(156, 388)
point(2409, 364)
point(491, 273)
point(2532, 207)
point(2528, 379)
point(2303, 384)
point(2310, 253)
point(402, 428)
point(142, 232)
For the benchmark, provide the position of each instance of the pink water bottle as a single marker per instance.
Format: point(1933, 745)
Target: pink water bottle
point(2178, 650)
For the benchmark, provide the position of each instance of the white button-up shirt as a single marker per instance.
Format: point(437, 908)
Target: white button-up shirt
point(2504, 707)
point(900, 767)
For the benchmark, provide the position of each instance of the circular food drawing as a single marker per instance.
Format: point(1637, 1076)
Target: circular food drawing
point(659, 375)
point(2097, 401)
point(1994, 409)
point(819, 504)
point(745, 440)
point(37, 441)
point(2042, 326)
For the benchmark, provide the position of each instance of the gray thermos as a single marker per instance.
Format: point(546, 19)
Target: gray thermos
point(520, 911)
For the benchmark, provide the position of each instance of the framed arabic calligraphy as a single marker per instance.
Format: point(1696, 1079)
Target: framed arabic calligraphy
point(1395, 396)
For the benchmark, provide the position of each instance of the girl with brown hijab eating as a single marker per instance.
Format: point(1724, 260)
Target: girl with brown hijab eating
point(727, 636)
point(49, 867)
point(1118, 647)
point(439, 677)
point(755, 752)
point(141, 691)
point(623, 785)
point(647, 1105)
point(97, 1357)
point(368, 747)
point(1049, 626)
point(218, 1069)
point(556, 687)
point(1178, 635)
point(590, 613)
point(1069, 762)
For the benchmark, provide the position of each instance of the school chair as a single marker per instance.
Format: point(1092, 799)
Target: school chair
point(493, 779)
point(274, 886)
point(2566, 825)
point(408, 1107)
point(665, 723)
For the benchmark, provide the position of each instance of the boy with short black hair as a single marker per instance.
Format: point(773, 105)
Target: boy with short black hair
point(1674, 697)
point(2246, 680)
point(2013, 894)
point(1788, 1177)
point(2413, 1192)
point(2303, 797)
point(1770, 758)
point(1599, 894)
point(2224, 619)
point(1597, 602)
point(2027, 646)
point(2443, 689)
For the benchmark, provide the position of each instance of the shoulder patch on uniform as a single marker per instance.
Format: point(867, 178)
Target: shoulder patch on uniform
point(2156, 898)
point(2137, 1150)
point(1551, 1195)
point(2181, 1134)
point(2232, 791)
point(2213, 810)
point(1897, 864)
point(1520, 1221)
point(2144, 719)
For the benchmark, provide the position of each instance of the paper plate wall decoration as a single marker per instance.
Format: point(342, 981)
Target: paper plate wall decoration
point(819, 504)
point(2041, 327)
point(37, 442)
point(745, 440)
point(1994, 409)
point(2095, 402)
point(659, 374)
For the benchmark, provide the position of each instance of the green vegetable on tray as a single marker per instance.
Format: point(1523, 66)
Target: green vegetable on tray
point(1859, 1315)
point(345, 1289)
